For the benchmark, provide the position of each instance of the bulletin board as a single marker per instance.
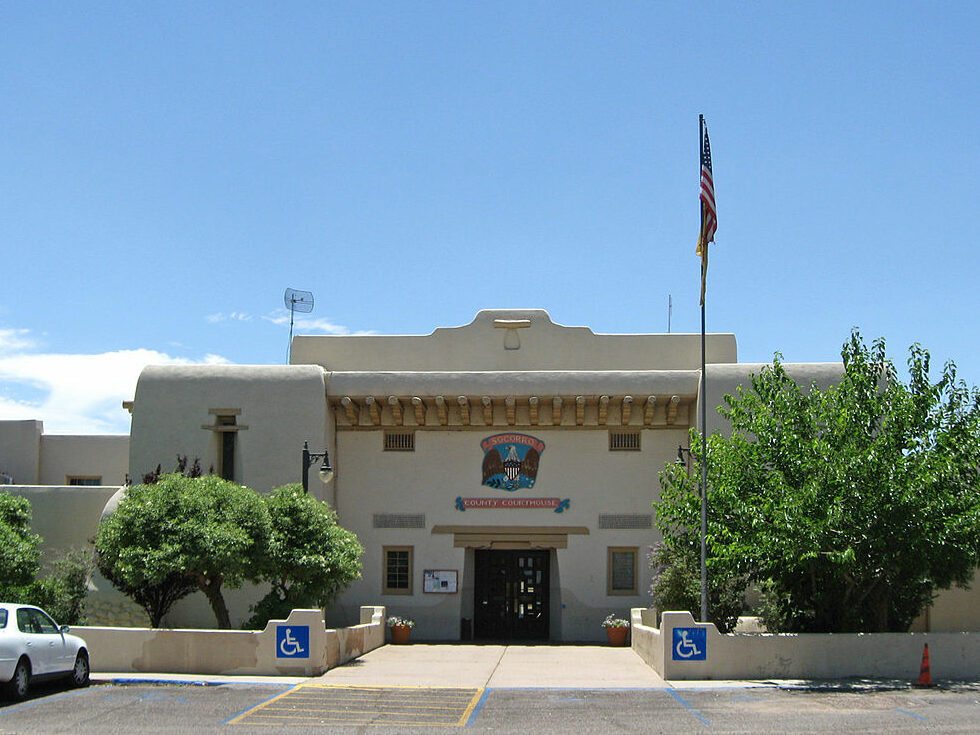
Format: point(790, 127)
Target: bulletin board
point(440, 581)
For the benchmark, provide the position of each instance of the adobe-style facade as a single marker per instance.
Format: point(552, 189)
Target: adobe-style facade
point(500, 475)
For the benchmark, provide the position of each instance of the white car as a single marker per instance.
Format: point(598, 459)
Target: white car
point(33, 647)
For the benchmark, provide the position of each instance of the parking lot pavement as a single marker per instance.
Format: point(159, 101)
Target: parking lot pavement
point(249, 709)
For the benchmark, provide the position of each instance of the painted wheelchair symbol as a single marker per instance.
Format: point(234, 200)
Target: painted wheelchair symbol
point(289, 646)
point(685, 647)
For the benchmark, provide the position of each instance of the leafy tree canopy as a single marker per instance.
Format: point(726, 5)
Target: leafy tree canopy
point(19, 560)
point(167, 538)
point(850, 506)
point(309, 558)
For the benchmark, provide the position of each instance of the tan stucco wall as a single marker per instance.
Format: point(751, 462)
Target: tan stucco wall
point(725, 379)
point(20, 450)
point(231, 652)
point(282, 406)
point(576, 464)
point(812, 655)
point(544, 344)
point(65, 517)
point(84, 456)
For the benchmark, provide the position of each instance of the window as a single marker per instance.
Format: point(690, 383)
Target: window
point(84, 480)
point(624, 441)
point(622, 570)
point(397, 570)
point(226, 427)
point(3, 618)
point(226, 456)
point(399, 441)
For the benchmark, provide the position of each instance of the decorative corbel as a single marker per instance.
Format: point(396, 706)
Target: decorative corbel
point(579, 410)
point(511, 403)
point(487, 410)
point(627, 410)
point(649, 408)
point(419, 405)
point(464, 409)
point(441, 410)
point(532, 410)
point(351, 409)
point(603, 407)
point(374, 409)
point(672, 408)
point(556, 411)
point(396, 410)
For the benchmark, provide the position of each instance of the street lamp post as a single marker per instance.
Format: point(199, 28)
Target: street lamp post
point(326, 471)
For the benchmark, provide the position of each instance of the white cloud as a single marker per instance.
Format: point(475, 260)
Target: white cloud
point(306, 325)
point(234, 316)
point(14, 340)
point(78, 394)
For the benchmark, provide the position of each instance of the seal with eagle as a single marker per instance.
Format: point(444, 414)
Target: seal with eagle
point(504, 470)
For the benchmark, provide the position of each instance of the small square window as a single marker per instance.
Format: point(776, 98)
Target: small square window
point(621, 572)
point(86, 480)
point(624, 441)
point(397, 573)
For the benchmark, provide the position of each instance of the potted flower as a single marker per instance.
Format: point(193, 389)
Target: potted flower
point(401, 629)
point(616, 629)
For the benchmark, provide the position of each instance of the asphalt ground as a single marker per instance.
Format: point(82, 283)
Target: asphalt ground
point(499, 689)
point(246, 709)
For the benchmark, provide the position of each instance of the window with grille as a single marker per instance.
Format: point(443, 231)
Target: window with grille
point(624, 441)
point(399, 441)
point(622, 570)
point(625, 520)
point(397, 570)
point(78, 480)
point(399, 520)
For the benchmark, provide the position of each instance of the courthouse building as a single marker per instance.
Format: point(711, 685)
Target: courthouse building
point(500, 475)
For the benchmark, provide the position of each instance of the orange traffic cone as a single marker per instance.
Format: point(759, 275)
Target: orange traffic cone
point(925, 675)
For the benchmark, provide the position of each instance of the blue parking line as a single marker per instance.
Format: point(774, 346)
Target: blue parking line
point(286, 689)
point(476, 710)
point(687, 705)
point(35, 702)
point(911, 714)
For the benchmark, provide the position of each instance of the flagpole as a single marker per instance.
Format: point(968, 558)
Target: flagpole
point(704, 410)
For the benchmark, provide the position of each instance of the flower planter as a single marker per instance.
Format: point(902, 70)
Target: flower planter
point(617, 636)
point(400, 634)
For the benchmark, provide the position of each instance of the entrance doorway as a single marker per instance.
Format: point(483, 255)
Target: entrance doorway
point(511, 589)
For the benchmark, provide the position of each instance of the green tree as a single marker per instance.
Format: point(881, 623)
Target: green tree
point(850, 506)
point(309, 558)
point(19, 544)
point(181, 532)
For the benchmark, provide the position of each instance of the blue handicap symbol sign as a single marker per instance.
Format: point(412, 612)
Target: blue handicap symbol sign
point(292, 641)
point(690, 644)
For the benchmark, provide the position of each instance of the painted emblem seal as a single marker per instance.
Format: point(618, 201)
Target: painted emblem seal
point(510, 461)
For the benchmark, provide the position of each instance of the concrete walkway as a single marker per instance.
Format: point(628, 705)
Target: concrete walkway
point(496, 666)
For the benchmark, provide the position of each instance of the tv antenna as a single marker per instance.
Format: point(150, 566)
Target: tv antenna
point(296, 300)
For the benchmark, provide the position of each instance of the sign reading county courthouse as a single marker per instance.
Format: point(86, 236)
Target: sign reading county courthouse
point(554, 504)
point(510, 461)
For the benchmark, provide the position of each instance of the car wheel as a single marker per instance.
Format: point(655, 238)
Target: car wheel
point(17, 687)
point(79, 674)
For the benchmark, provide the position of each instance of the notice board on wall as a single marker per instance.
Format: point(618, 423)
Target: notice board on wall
point(440, 581)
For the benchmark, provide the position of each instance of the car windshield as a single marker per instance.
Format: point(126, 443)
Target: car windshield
point(3, 618)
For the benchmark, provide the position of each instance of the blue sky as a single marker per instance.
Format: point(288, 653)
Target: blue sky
point(167, 170)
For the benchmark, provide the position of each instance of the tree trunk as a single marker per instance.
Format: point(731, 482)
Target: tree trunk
point(212, 590)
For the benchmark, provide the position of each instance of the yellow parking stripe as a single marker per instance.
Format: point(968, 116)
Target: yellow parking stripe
point(364, 706)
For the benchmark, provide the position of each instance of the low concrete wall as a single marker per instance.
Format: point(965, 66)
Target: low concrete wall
point(277, 650)
point(798, 656)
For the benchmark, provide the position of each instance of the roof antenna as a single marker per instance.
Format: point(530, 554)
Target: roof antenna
point(670, 310)
point(295, 300)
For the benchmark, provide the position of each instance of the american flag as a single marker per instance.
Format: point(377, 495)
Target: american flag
point(709, 218)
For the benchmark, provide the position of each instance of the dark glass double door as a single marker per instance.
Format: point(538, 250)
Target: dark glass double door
point(511, 590)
